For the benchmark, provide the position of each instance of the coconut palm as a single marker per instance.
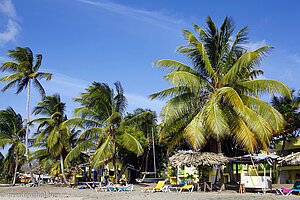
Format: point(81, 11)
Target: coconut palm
point(12, 132)
point(143, 120)
point(101, 116)
point(52, 129)
point(218, 95)
point(24, 72)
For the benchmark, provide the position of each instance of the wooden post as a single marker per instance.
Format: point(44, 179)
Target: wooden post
point(264, 191)
point(237, 171)
point(176, 175)
point(231, 173)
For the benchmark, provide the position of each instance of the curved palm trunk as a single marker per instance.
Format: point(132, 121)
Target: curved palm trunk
point(16, 168)
point(27, 131)
point(63, 169)
point(114, 161)
point(220, 169)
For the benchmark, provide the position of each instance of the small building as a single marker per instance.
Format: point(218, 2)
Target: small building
point(288, 172)
point(290, 166)
point(256, 171)
point(194, 166)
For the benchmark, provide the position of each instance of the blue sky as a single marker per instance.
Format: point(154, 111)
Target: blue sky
point(107, 41)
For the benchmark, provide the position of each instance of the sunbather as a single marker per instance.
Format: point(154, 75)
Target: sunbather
point(288, 191)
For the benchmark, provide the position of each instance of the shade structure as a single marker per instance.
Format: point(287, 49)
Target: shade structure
point(249, 159)
point(38, 170)
point(290, 160)
point(189, 158)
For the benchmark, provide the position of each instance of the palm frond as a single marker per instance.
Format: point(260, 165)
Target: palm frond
point(174, 65)
point(265, 86)
point(130, 143)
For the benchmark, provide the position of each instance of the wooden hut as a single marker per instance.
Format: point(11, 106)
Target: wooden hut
point(198, 160)
point(290, 167)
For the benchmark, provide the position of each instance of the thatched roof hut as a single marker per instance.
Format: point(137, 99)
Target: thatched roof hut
point(290, 160)
point(38, 170)
point(188, 158)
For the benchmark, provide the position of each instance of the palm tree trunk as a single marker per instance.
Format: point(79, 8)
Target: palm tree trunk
point(27, 131)
point(63, 169)
point(221, 167)
point(280, 166)
point(27, 125)
point(16, 168)
point(114, 161)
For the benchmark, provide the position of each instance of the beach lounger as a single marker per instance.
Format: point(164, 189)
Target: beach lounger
point(160, 187)
point(187, 187)
point(31, 184)
point(176, 187)
point(109, 187)
point(124, 188)
point(286, 191)
point(101, 188)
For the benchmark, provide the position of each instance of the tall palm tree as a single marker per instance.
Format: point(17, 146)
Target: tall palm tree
point(218, 95)
point(12, 132)
point(24, 72)
point(101, 117)
point(144, 120)
point(52, 129)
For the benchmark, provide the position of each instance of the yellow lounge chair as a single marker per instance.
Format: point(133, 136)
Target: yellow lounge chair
point(159, 187)
point(179, 189)
point(186, 187)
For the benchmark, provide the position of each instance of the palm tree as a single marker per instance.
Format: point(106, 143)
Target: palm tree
point(52, 129)
point(218, 96)
point(25, 72)
point(101, 117)
point(143, 120)
point(12, 132)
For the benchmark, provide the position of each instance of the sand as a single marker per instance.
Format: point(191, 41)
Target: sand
point(58, 192)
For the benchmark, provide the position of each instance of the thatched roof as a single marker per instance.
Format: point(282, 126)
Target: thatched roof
point(290, 160)
point(197, 159)
point(38, 170)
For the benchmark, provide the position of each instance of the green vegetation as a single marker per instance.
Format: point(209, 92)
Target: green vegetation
point(288, 107)
point(101, 115)
point(213, 104)
point(218, 95)
point(24, 72)
point(12, 133)
point(52, 130)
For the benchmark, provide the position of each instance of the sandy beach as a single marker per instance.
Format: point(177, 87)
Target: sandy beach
point(58, 192)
